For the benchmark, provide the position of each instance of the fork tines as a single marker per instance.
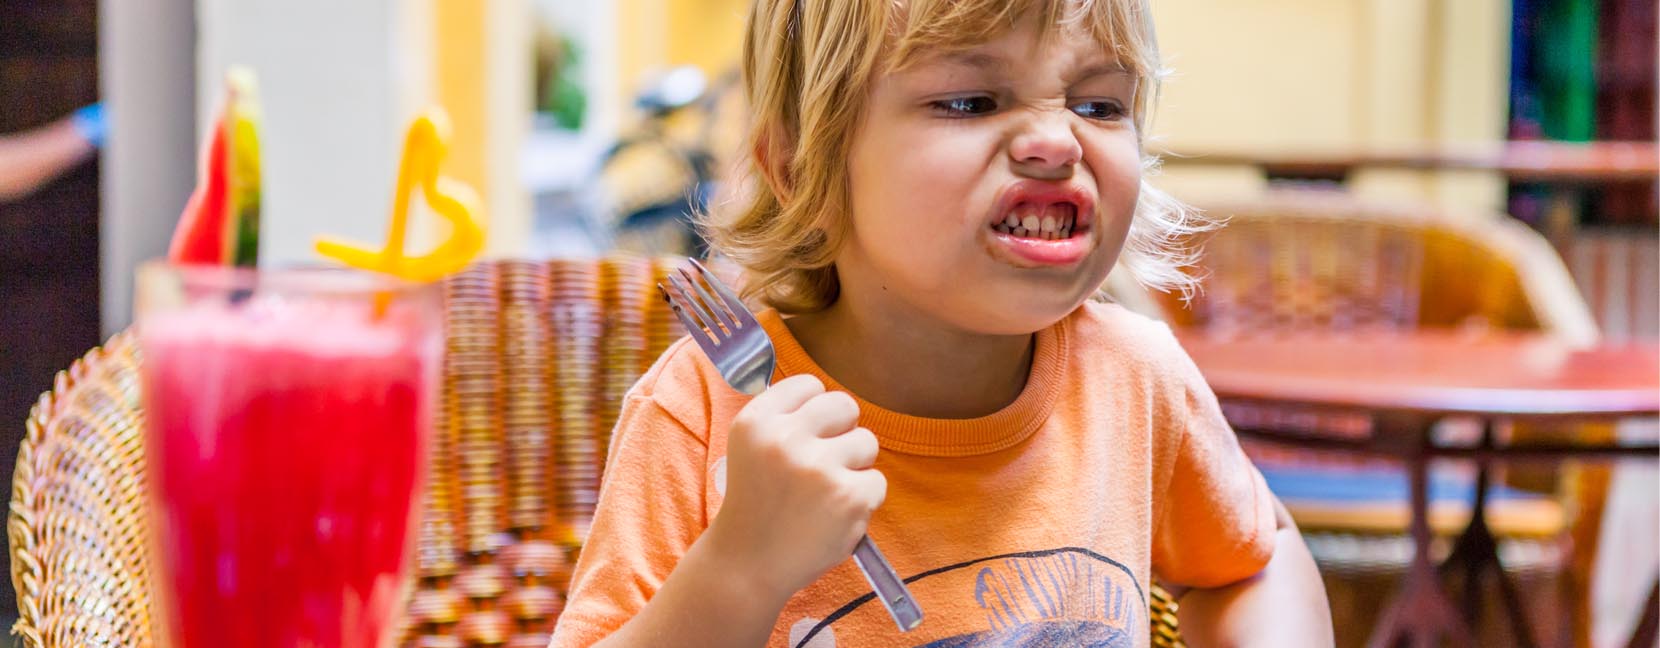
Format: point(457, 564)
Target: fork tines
point(709, 319)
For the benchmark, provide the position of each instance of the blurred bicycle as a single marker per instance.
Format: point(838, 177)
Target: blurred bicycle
point(657, 177)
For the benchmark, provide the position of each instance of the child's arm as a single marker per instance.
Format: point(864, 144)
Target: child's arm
point(800, 491)
point(709, 600)
point(1225, 535)
point(1284, 605)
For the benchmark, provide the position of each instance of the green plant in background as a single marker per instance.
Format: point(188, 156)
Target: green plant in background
point(1565, 53)
point(563, 95)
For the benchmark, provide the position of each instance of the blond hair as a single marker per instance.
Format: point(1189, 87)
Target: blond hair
point(807, 66)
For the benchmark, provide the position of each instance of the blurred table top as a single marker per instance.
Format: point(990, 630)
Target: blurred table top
point(1510, 375)
point(1522, 161)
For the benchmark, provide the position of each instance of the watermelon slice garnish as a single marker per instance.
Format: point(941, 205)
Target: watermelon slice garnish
point(220, 223)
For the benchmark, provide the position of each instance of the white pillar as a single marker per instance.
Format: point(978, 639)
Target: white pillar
point(146, 61)
point(339, 81)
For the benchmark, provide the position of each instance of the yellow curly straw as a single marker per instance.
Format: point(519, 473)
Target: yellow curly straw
point(424, 148)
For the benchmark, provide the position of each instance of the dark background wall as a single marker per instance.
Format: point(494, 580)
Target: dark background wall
point(48, 240)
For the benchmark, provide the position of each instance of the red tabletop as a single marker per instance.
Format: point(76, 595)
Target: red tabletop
point(1433, 372)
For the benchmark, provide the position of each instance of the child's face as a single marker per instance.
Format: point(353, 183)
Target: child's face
point(957, 146)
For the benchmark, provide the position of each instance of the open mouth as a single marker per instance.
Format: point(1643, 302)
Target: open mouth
point(1035, 223)
point(1043, 211)
point(1048, 222)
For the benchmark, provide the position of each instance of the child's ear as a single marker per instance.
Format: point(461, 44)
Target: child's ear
point(773, 151)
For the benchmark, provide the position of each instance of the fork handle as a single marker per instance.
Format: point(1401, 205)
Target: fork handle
point(889, 587)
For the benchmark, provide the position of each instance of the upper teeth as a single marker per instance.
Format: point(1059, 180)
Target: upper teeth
point(1054, 221)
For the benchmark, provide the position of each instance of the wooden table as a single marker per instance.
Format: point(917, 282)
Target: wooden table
point(1407, 382)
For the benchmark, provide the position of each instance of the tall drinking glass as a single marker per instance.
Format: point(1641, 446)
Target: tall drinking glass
point(287, 416)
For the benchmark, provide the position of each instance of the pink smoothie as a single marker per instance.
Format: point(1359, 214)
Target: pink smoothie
point(286, 447)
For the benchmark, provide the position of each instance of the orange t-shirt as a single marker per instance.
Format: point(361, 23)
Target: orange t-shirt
point(1040, 524)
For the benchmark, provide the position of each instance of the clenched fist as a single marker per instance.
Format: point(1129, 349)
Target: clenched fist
point(800, 486)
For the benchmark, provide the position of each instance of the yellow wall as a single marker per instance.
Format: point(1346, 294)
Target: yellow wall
point(1257, 74)
point(643, 33)
point(1322, 75)
point(707, 33)
point(1268, 72)
point(653, 34)
point(482, 78)
point(459, 57)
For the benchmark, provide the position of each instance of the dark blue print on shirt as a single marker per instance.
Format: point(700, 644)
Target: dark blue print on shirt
point(1040, 599)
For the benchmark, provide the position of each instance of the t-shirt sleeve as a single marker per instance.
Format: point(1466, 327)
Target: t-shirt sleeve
point(1216, 524)
point(651, 510)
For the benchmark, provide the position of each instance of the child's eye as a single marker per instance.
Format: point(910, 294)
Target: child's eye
point(1101, 110)
point(965, 106)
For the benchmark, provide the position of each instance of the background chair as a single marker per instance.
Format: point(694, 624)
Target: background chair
point(1305, 260)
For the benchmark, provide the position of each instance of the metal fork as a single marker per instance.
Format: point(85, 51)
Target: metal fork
point(728, 333)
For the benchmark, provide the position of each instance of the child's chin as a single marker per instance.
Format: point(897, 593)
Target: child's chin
point(1025, 316)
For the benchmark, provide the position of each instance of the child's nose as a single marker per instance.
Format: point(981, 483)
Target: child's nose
point(1045, 144)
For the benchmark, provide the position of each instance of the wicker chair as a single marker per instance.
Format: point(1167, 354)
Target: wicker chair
point(1320, 260)
point(539, 355)
point(1307, 260)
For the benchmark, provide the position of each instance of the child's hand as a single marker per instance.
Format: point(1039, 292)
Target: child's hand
point(800, 487)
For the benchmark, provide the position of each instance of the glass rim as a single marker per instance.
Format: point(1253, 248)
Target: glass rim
point(288, 278)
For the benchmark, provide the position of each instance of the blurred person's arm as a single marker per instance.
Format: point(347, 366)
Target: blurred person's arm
point(1283, 605)
point(33, 158)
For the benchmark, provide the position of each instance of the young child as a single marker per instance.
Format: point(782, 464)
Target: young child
point(938, 189)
